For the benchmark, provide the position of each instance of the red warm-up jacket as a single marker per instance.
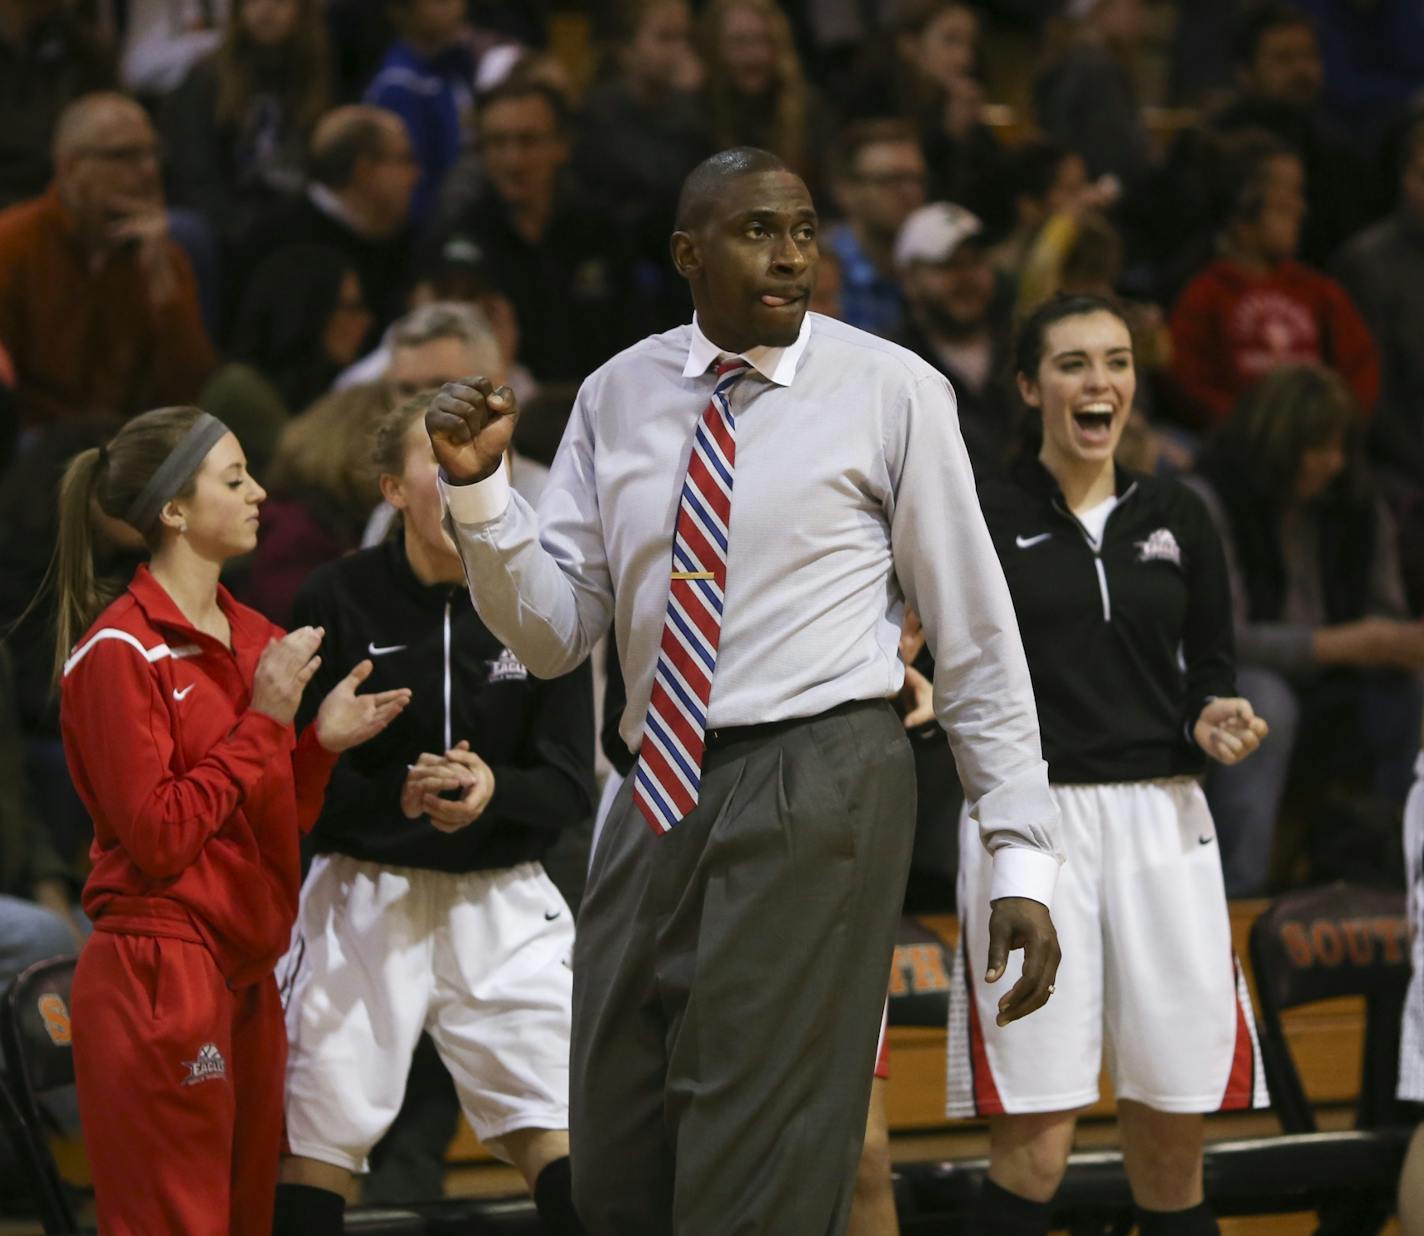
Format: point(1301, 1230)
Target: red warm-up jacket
point(1232, 326)
point(197, 799)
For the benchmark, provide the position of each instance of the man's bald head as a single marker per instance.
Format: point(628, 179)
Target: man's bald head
point(346, 135)
point(107, 166)
point(363, 155)
point(706, 183)
point(746, 244)
point(90, 119)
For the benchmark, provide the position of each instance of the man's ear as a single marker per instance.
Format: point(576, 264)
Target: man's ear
point(686, 257)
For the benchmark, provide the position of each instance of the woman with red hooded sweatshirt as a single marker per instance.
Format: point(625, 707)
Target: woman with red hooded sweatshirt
point(176, 710)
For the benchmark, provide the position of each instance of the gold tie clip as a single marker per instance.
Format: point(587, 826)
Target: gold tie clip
point(693, 575)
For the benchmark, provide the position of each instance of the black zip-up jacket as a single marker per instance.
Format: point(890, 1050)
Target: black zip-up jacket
point(536, 735)
point(1126, 643)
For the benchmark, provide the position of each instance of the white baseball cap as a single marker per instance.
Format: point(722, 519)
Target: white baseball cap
point(934, 233)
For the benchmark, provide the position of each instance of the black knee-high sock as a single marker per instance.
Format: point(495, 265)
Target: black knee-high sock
point(1001, 1213)
point(1194, 1221)
point(303, 1210)
point(554, 1200)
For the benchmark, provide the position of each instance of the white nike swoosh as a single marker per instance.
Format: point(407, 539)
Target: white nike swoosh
point(178, 695)
point(1027, 542)
point(378, 650)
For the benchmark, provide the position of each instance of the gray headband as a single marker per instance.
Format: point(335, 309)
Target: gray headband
point(177, 470)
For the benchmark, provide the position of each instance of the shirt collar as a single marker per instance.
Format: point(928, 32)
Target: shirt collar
point(775, 364)
point(329, 204)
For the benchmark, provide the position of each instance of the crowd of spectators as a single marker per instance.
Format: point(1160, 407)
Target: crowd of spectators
point(283, 210)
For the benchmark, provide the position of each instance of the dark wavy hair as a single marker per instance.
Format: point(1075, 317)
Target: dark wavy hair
point(1032, 332)
point(301, 70)
point(1254, 464)
point(279, 324)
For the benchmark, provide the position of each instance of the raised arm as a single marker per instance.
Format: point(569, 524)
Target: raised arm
point(540, 583)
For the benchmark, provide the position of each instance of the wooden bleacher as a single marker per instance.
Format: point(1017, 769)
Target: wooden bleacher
point(1326, 1040)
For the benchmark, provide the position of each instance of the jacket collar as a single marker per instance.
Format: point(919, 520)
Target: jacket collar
point(162, 611)
point(432, 595)
point(1030, 473)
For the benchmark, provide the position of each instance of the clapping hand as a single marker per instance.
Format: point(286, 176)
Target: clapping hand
point(283, 671)
point(346, 719)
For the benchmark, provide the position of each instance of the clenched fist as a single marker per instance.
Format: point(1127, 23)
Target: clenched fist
point(471, 423)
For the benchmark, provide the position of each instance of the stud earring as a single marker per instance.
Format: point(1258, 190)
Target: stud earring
point(183, 527)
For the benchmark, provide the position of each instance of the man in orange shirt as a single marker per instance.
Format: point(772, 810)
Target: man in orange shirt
point(98, 307)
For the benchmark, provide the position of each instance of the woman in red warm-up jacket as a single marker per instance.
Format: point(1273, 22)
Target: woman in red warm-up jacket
point(177, 707)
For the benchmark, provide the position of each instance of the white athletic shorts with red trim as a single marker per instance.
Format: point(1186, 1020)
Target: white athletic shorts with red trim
point(1411, 1044)
point(1147, 967)
point(480, 959)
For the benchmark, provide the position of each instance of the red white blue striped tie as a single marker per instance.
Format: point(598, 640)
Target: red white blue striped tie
point(669, 772)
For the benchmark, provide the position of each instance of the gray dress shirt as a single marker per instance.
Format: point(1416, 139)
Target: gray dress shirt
point(852, 495)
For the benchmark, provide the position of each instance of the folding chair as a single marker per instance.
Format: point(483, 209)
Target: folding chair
point(1318, 944)
point(41, 1177)
point(35, 1036)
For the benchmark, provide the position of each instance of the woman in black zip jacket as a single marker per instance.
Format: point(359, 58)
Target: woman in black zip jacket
point(426, 907)
point(1120, 589)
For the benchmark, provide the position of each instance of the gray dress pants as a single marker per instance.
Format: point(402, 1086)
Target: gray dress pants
point(728, 983)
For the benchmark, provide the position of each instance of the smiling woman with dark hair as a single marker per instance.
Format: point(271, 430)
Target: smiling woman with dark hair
point(1121, 596)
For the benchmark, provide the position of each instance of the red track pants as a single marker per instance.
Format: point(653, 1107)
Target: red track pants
point(180, 1088)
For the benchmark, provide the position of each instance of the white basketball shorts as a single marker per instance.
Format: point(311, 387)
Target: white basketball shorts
point(1411, 1042)
point(1147, 965)
point(480, 960)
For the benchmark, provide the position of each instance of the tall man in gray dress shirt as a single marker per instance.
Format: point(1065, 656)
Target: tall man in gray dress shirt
point(729, 973)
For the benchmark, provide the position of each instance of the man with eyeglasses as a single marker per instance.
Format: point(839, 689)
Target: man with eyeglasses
point(98, 305)
point(561, 261)
point(879, 179)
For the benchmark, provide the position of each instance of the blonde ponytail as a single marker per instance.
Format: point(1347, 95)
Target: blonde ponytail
point(79, 594)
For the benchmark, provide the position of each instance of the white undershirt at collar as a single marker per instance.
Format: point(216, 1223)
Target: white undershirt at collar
point(775, 364)
point(329, 204)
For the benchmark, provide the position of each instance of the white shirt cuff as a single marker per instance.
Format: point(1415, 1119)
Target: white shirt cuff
point(479, 502)
point(1021, 872)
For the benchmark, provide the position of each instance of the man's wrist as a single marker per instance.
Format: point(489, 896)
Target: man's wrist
point(459, 482)
point(1021, 872)
point(479, 501)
